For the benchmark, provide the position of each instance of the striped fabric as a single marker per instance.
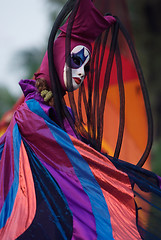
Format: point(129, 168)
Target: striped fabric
point(53, 186)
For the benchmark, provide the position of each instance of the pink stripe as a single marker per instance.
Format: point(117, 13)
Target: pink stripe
point(24, 208)
point(117, 192)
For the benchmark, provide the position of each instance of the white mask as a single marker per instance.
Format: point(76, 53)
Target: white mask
point(80, 57)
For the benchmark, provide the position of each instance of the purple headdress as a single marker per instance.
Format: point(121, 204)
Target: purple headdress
point(88, 24)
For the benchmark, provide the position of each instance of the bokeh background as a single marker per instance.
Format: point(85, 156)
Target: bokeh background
point(24, 30)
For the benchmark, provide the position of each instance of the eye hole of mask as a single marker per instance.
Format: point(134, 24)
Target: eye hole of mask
point(76, 61)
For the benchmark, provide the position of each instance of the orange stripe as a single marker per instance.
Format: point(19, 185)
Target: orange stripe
point(24, 208)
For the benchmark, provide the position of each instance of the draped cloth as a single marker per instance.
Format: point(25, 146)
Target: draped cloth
point(55, 186)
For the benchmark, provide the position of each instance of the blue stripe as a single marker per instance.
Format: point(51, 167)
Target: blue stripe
point(88, 182)
point(35, 107)
point(9, 202)
point(84, 174)
point(1, 150)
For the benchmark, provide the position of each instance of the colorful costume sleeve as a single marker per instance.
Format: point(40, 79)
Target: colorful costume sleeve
point(53, 186)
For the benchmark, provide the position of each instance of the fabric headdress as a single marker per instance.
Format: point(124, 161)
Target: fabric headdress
point(87, 26)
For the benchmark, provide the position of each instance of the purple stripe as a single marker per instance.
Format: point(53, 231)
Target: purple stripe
point(10, 199)
point(61, 169)
point(6, 166)
point(83, 219)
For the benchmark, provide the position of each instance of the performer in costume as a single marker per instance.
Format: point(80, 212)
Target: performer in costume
point(56, 183)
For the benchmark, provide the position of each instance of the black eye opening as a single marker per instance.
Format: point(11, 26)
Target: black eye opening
point(76, 60)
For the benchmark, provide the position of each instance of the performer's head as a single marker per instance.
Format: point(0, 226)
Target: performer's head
point(72, 66)
point(79, 64)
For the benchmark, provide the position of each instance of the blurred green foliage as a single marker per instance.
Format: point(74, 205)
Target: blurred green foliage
point(29, 61)
point(156, 157)
point(7, 100)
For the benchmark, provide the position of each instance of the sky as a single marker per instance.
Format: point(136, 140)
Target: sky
point(23, 25)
